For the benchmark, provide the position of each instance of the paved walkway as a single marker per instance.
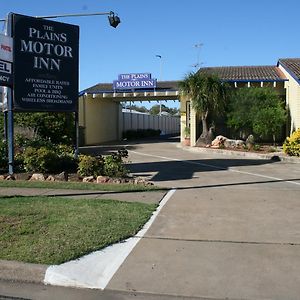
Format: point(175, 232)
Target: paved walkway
point(144, 197)
point(229, 231)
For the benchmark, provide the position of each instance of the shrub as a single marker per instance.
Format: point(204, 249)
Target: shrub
point(114, 166)
point(23, 142)
point(187, 132)
point(3, 154)
point(256, 110)
point(110, 165)
point(40, 160)
point(90, 166)
point(141, 133)
point(54, 127)
point(291, 145)
point(63, 155)
point(66, 159)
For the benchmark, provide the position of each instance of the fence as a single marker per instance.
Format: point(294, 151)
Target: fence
point(167, 124)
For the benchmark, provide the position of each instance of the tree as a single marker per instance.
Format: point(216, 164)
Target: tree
point(137, 108)
point(155, 109)
point(55, 127)
point(257, 110)
point(208, 96)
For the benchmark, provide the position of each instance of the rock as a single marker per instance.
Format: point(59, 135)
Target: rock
point(88, 179)
point(22, 176)
point(102, 179)
point(239, 143)
point(221, 140)
point(63, 176)
point(228, 143)
point(50, 178)
point(218, 141)
point(116, 180)
point(37, 177)
point(275, 158)
point(74, 177)
point(149, 183)
point(139, 180)
point(250, 142)
point(10, 177)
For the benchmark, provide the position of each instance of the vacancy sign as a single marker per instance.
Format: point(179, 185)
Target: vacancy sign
point(6, 58)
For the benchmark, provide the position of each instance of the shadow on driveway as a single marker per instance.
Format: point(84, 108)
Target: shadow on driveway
point(109, 148)
point(185, 169)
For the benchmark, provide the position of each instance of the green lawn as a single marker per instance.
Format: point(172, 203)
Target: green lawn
point(52, 230)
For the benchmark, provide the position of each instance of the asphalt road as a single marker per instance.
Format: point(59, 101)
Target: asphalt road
point(230, 231)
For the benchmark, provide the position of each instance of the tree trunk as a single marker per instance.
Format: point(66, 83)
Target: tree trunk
point(203, 139)
point(204, 126)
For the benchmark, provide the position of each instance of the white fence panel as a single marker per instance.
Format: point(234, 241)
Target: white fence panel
point(167, 124)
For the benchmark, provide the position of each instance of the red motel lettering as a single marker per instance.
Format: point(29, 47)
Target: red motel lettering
point(6, 48)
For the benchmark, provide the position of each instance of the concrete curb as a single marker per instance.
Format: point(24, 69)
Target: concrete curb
point(22, 272)
point(277, 156)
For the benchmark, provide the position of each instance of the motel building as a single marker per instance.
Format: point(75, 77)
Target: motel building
point(100, 111)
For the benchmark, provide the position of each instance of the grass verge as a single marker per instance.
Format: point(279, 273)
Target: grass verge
point(79, 186)
point(50, 230)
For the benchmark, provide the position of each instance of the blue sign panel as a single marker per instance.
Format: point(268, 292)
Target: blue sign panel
point(134, 81)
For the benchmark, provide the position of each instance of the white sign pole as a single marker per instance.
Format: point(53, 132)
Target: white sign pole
point(10, 114)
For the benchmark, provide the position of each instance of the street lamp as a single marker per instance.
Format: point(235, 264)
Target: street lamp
point(160, 66)
point(113, 19)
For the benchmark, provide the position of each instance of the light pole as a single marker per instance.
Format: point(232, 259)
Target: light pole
point(160, 76)
point(113, 19)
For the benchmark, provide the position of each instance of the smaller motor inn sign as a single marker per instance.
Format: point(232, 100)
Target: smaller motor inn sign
point(134, 81)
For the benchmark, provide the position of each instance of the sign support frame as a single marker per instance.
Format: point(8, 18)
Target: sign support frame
point(10, 112)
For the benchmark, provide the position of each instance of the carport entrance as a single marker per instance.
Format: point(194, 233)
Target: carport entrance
point(100, 112)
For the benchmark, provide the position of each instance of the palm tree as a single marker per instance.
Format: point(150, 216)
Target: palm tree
point(208, 96)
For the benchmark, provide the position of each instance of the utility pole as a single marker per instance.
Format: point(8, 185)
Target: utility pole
point(160, 76)
point(198, 47)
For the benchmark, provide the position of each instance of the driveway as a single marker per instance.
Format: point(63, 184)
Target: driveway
point(230, 231)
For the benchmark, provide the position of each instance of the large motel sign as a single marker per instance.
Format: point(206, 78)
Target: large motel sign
point(45, 65)
point(45, 56)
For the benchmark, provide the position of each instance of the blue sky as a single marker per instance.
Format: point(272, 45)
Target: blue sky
point(233, 32)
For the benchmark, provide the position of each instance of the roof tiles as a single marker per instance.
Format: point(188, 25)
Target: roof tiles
point(246, 73)
point(293, 64)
